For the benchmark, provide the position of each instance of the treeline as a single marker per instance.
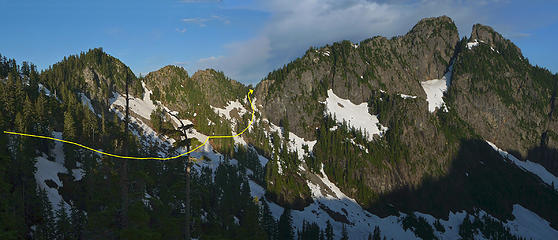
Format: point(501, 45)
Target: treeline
point(22, 110)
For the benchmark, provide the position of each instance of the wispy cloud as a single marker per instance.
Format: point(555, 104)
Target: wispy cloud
point(182, 63)
point(202, 22)
point(295, 25)
point(181, 30)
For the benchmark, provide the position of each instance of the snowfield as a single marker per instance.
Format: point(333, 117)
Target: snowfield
point(529, 166)
point(328, 196)
point(226, 112)
point(405, 96)
point(472, 44)
point(142, 107)
point(529, 225)
point(356, 116)
point(435, 90)
point(86, 101)
point(295, 143)
point(48, 170)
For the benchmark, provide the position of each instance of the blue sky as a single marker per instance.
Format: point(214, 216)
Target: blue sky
point(247, 39)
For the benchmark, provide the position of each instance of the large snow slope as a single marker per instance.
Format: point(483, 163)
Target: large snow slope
point(435, 90)
point(356, 116)
point(529, 166)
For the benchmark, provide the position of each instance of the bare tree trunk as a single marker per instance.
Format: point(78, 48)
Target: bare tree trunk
point(124, 167)
point(187, 204)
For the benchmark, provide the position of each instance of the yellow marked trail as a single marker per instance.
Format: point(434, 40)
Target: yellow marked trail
point(141, 158)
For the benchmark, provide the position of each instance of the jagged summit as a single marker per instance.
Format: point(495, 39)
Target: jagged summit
point(489, 36)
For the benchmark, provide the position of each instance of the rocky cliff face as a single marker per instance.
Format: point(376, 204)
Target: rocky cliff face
point(504, 98)
point(353, 71)
point(494, 94)
point(377, 71)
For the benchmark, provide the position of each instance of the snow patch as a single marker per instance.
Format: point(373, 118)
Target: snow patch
point(529, 166)
point(226, 112)
point(435, 90)
point(472, 44)
point(49, 170)
point(86, 101)
point(363, 148)
point(529, 225)
point(356, 116)
point(142, 107)
point(44, 89)
point(405, 96)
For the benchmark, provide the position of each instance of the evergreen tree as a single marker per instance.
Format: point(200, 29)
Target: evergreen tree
point(63, 225)
point(46, 229)
point(310, 231)
point(70, 133)
point(249, 225)
point(285, 225)
point(329, 235)
point(344, 234)
point(268, 223)
point(78, 222)
point(377, 235)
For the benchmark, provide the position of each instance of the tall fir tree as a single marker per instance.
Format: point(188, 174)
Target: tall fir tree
point(377, 234)
point(268, 222)
point(329, 235)
point(46, 229)
point(285, 225)
point(78, 220)
point(63, 224)
point(344, 234)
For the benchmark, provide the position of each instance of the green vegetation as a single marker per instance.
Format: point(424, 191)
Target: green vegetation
point(485, 225)
point(419, 226)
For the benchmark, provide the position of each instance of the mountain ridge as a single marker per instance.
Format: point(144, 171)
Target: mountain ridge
point(398, 164)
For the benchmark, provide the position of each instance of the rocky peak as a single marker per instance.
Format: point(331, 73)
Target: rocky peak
point(429, 25)
point(167, 73)
point(431, 40)
point(211, 81)
point(489, 36)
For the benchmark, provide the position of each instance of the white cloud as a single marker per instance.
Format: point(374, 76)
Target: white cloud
point(202, 22)
point(181, 30)
point(240, 58)
point(295, 25)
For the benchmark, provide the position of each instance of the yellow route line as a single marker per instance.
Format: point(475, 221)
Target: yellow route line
point(141, 158)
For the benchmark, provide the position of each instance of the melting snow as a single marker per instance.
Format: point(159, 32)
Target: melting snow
point(435, 89)
point(226, 112)
point(358, 145)
point(529, 225)
point(48, 170)
point(86, 101)
point(356, 116)
point(295, 142)
point(472, 44)
point(142, 107)
point(529, 166)
point(361, 221)
point(43, 88)
point(405, 96)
